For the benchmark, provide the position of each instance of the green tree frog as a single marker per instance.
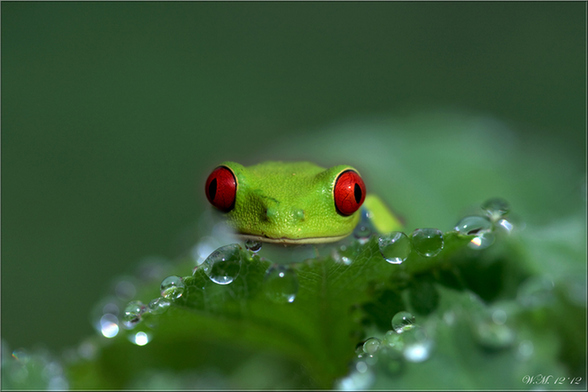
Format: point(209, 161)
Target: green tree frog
point(294, 202)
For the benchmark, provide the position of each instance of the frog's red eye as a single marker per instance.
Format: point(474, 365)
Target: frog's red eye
point(349, 192)
point(221, 188)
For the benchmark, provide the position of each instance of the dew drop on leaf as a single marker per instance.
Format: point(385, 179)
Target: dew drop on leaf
point(395, 247)
point(253, 246)
point(281, 283)
point(496, 208)
point(481, 227)
point(362, 232)
point(159, 305)
point(172, 287)
point(473, 225)
point(223, 265)
point(427, 242)
point(371, 345)
point(403, 321)
point(132, 313)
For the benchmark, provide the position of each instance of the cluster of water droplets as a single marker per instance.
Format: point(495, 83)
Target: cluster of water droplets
point(405, 342)
point(485, 226)
point(396, 246)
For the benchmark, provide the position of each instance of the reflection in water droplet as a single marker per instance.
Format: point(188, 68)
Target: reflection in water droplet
point(109, 325)
point(172, 287)
point(281, 283)
point(427, 242)
point(505, 225)
point(223, 265)
point(473, 225)
point(535, 292)
point(253, 246)
point(395, 247)
point(132, 314)
point(496, 208)
point(140, 338)
point(403, 321)
point(371, 345)
point(482, 240)
point(159, 305)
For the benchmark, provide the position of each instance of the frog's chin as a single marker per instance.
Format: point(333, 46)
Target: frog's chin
point(291, 241)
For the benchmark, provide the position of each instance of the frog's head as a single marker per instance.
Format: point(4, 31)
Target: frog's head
point(290, 203)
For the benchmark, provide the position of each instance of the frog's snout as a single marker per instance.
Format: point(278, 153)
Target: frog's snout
point(275, 215)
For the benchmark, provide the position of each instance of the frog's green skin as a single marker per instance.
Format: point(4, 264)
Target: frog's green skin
point(292, 203)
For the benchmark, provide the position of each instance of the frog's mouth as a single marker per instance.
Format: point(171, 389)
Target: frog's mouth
point(292, 241)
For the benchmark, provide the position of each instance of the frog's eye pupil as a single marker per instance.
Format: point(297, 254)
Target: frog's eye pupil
point(212, 189)
point(357, 193)
point(349, 192)
point(221, 188)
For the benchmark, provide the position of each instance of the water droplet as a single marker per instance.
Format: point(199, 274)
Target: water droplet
point(496, 208)
point(392, 339)
point(473, 225)
point(253, 246)
point(338, 258)
point(140, 338)
point(362, 232)
point(371, 345)
point(395, 247)
point(281, 283)
point(132, 314)
point(535, 292)
point(223, 265)
point(417, 346)
point(525, 350)
point(427, 242)
point(492, 335)
point(479, 226)
point(499, 316)
point(403, 321)
point(159, 305)
point(482, 240)
point(109, 325)
point(172, 287)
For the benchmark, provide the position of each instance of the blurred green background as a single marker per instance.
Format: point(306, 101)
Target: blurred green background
point(113, 114)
